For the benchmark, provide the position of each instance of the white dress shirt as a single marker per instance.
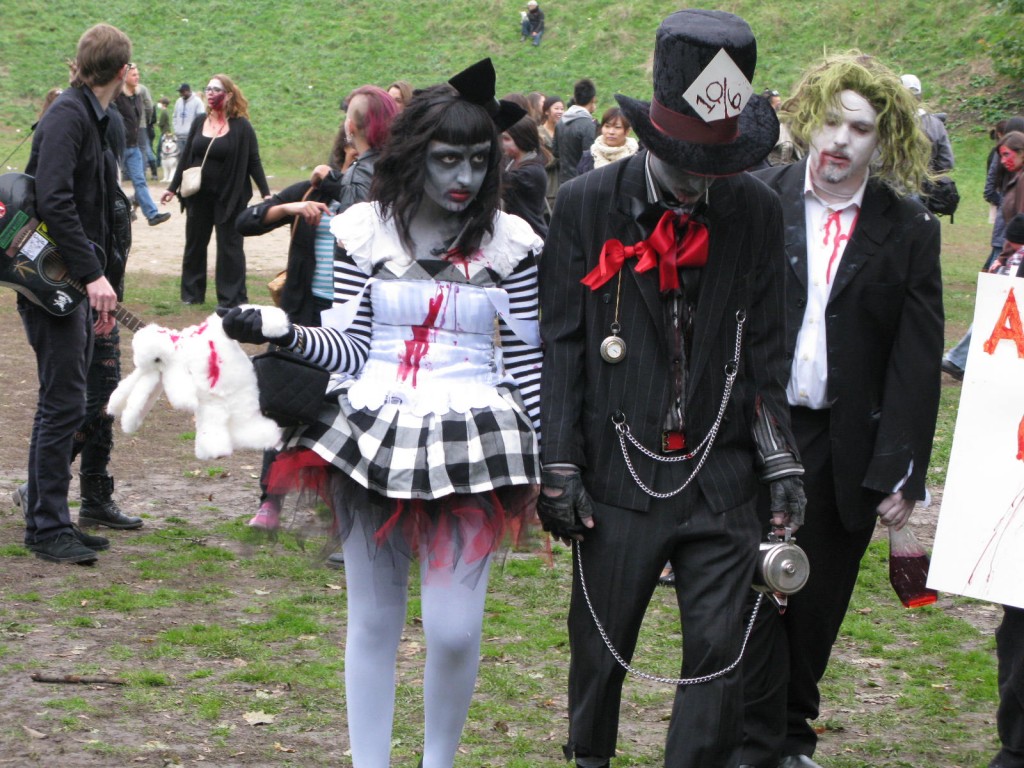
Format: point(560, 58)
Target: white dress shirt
point(829, 228)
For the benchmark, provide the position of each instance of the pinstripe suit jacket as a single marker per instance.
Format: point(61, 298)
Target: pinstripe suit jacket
point(580, 392)
point(884, 330)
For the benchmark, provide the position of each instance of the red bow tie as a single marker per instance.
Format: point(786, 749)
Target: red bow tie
point(663, 249)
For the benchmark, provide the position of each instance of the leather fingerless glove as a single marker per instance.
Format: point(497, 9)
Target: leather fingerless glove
point(563, 504)
point(788, 496)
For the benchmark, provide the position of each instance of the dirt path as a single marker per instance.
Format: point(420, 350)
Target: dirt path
point(158, 249)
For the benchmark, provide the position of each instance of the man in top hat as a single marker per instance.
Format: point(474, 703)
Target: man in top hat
point(663, 391)
point(864, 340)
point(185, 110)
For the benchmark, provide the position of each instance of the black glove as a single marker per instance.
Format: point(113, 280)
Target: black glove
point(788, 497)
point(563, 504)
point(246, 326)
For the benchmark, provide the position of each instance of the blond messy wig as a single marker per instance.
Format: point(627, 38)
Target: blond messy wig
point(903, 148)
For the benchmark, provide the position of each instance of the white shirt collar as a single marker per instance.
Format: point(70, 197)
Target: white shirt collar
point(857, 199)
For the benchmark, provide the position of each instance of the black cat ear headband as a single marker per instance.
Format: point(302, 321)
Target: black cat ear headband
point(475, 84)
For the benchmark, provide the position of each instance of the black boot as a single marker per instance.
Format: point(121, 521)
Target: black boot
point(98, 508)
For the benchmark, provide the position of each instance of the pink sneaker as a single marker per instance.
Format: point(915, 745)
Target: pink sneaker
point(268, 518)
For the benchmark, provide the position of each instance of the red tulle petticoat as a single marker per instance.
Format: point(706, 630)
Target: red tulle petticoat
point(463, 527)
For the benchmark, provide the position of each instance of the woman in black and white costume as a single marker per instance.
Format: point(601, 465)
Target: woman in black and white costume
point(430, 439)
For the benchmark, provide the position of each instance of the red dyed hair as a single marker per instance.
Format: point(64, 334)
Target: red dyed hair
point(373, 114)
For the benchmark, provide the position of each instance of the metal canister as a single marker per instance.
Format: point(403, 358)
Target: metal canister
point(782, 567)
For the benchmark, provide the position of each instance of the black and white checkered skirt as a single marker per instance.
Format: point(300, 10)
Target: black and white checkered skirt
point(401, 455)
point(454, 487)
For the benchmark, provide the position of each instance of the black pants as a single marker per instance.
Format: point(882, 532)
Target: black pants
point(230, 270)
point(94, 440)
point(1010, 718)
point(713, 557)
point(62, 346)
point(788, 653)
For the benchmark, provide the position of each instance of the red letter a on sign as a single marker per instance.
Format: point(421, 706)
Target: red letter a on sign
point(1008, 326)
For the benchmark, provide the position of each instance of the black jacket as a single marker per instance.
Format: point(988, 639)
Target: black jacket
point(345, 189)
point(524, 193)
point(580, 392)
point(74, 178)
point(884, 330)
point(234, 190)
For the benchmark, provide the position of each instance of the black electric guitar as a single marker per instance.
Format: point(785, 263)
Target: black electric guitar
point(29, 260)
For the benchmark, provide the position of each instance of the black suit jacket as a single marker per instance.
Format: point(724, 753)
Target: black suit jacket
point(580, 392)
point(884, 328)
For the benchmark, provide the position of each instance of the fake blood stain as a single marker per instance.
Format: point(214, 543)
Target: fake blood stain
point(416, 349)
point(214, 366)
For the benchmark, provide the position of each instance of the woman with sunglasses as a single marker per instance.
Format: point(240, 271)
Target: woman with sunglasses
point(224, 144)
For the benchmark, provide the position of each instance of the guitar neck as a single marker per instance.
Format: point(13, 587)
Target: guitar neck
point(128, 319)
point(122, 314)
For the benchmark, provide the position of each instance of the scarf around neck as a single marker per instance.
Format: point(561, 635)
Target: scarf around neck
point(603, 154)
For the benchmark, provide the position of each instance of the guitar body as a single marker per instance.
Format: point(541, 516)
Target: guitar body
point(29, 260)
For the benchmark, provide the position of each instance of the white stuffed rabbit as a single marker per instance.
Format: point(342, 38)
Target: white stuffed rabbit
point(205, 372)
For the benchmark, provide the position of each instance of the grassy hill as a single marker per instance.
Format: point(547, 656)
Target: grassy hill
point(295, 60)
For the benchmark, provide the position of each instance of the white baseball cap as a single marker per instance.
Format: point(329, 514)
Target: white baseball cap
point(912, 84)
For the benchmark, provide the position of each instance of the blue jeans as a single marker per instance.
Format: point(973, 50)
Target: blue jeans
point(135, 167)
point(525, 32)
point(958, 354)
point(150, 155)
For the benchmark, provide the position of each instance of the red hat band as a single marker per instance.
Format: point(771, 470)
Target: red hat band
point(692, 129)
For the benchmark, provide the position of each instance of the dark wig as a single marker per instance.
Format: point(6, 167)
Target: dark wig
point(437, 113)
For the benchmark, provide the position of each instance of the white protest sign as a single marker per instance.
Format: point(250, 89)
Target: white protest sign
point(979, 542)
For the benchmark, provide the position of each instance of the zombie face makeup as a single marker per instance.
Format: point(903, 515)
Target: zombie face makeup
point(842, 148)
point(686, 187)
point(215, 94)
point(455, 173)
point(1011, 159)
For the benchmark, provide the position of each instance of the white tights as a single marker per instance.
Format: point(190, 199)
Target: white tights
point(452, 617)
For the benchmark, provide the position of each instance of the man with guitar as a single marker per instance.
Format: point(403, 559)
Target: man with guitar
point(75, 178)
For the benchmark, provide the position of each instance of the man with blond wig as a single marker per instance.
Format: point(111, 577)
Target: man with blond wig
point(864, 339)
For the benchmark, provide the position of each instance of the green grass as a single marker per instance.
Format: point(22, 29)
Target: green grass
point(296, 60)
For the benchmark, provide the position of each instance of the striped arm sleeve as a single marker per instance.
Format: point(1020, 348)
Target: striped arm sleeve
point(337, 350)
point(522, 360)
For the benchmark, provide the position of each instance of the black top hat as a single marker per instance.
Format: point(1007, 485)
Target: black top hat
point(475, 84)
point(721, 135)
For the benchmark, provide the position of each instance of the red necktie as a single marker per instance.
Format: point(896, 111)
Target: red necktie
point(662, 249)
